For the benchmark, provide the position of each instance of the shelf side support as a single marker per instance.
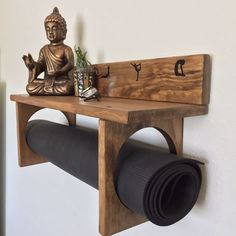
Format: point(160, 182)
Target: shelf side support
point(26, 156)
point(113, 215)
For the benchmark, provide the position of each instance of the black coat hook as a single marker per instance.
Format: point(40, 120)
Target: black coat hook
point(138, 68)
point(179, 66)
point(107, 74)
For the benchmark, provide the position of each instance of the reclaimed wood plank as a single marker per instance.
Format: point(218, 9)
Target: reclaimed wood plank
point(183, 79)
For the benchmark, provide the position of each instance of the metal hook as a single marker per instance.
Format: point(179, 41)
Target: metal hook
point(107, 74)
point(179, 65)
point(137, 68)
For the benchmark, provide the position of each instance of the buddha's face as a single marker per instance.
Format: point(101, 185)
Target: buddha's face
point(54, 32)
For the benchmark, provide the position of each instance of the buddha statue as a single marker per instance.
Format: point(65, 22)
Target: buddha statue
point(56, 60)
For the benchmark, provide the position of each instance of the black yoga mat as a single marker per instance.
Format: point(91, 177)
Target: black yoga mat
point(160, 186)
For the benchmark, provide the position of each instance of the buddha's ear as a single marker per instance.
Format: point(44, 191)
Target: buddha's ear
point(64, 34)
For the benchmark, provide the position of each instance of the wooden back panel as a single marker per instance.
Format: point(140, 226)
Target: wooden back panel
point(184, 79)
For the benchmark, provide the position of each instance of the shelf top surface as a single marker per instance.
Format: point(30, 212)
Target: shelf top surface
point(114, 109)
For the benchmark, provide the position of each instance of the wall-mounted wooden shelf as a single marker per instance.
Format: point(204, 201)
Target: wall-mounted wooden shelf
point(120, 116)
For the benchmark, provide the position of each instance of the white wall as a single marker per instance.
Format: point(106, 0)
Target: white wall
point(2, 152)
point(43, 200)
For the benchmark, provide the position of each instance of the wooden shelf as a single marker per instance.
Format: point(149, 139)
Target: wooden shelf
point(120, 110)
point(160, 95)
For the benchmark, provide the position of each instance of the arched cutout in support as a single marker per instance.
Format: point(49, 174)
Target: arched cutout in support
point(71, 118)
point(111, 138)
point(172, 130)
point(25, 155)
point(169, 141)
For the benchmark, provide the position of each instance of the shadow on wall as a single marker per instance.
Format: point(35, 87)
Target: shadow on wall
point(79, 38)
point(79, 32)
point(2, 156)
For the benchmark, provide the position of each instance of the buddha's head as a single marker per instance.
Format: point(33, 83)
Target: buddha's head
point(55, 26)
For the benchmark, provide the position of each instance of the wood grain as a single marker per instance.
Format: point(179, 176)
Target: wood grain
point(113, 215)
point(114, 109)
point(157, 80)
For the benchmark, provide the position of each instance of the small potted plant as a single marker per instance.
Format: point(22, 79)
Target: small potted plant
point(83, 71)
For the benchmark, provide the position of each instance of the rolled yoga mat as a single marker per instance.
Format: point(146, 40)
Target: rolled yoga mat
point(160, 186)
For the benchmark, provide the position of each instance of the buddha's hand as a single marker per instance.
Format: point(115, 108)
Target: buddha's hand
point(29, 61)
